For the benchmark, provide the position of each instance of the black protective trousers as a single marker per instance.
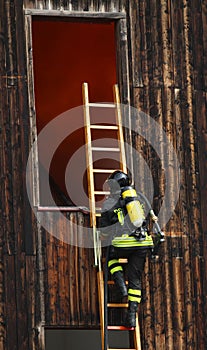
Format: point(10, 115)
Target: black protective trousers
point(136, 260)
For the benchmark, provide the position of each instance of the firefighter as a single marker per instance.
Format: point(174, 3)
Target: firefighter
point(123, 223)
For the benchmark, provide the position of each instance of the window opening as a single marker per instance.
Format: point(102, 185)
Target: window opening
point(65, 54)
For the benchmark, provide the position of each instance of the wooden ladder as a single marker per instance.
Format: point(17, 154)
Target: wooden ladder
point(93, 192)
point(134, 331)
point(91, 150)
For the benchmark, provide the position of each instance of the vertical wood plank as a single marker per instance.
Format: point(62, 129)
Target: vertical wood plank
point(166, 43)
point(188, 295)
point(204, 38)
point(177, 42)
point(85, 265)
point(3, 334)
point(30, 287)
point(198, 56)
point(10, 302)
point(52, 278)
point(178, 296)
point(136, 58)
point(201, 262)
point(41, 287)
point(74, 279)
point(2, 296)
point(168, 303)
point(148, 340)
point(158, 301)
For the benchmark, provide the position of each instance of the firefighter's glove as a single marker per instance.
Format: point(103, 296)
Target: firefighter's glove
point(160, 237)
point(140, 234)
point(154, 218)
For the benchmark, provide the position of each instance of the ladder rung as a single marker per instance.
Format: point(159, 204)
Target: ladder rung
point(101, 192)
point(108, 105)
point(117, 304)
point(121, 260)
point(104, 127)
point(120, 328)
point(112, 282)
point(107, 171)
point(106, 149)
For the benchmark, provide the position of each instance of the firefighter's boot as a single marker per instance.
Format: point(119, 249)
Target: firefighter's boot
point(119, 280)
point(131, 314)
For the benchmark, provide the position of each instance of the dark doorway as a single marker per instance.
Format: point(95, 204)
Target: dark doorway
point(83, 339)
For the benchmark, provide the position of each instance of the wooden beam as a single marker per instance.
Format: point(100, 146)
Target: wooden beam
point(76, 14)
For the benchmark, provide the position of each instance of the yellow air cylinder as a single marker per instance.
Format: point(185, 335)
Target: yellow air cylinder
point(134, 207)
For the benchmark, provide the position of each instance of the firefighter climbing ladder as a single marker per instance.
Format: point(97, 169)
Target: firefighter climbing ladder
point(92, 193)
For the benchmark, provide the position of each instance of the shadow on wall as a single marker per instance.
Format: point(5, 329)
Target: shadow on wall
point(82, 339)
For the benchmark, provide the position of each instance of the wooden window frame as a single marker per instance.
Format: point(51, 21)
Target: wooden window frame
point(122, 75)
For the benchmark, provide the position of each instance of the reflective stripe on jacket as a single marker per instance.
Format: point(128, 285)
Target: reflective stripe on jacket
point(127, 241)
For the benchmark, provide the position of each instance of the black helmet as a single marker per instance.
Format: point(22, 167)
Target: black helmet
point(119, 178)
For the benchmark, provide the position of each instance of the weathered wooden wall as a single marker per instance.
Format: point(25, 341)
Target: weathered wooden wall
point(17, 234)
point(46, 282)
point(169, 83)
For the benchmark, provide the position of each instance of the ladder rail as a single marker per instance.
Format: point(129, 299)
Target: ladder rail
point(89, 158)
point(137, 337)
point(120, 129)
point(101, 304)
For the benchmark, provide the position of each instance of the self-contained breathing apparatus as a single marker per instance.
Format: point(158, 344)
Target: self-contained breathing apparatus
point(119, 183)
point(135, 212)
